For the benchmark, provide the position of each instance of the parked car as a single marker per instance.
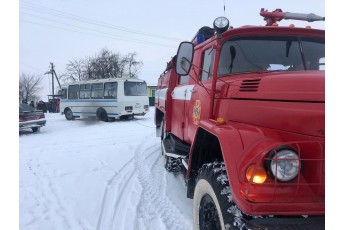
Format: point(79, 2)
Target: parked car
point(30, 118)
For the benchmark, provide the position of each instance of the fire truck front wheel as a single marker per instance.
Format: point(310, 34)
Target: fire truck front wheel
point(212, 207)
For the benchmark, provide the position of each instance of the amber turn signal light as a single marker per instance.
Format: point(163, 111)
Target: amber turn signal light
point(220, 121)
point(258, 174)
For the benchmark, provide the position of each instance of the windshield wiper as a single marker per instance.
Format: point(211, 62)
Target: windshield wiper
point(288, 46)
point(233, 55)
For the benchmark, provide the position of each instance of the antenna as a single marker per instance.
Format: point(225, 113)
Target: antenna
point(224, 8)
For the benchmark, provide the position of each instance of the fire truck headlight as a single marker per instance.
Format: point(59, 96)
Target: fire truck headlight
point(284, 164)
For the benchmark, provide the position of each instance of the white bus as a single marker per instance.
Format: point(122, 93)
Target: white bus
point(104, 99)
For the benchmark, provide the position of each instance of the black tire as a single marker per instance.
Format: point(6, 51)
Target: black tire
point(69, 115)
point(35, 129)
point(102, 115)
point(212, 204)
point(172, 164)
point(128, 117)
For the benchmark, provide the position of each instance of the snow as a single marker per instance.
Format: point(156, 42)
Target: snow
point(88, 174)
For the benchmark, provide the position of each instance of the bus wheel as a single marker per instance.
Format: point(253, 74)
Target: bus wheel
point(213, 207)
point(69, 115)
point(35, 129)
point(102, 115)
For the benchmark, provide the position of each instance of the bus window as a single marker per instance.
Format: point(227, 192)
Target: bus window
point(135, 89)
point(97, 90)
point(63, 93)
point(110, 90)
point(84, 91)
point(73, 91)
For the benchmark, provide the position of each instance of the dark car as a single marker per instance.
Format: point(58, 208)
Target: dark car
point(30, 118)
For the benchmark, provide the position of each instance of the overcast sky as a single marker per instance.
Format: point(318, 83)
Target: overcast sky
point(59, 31)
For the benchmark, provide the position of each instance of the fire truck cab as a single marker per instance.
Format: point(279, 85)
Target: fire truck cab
point(243, 111)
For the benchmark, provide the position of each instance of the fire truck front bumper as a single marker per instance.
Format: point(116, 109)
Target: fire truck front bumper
point(310, 223)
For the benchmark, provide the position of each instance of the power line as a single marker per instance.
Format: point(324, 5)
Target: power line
point(30, 66)
point(42, 9)
point(97, 31)
point(92, 34)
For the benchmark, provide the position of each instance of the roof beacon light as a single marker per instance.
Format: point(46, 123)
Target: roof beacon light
point(221, 24)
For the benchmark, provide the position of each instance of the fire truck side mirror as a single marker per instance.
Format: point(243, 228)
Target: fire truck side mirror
point(184, 58)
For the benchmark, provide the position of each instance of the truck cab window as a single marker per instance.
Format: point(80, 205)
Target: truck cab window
point(207, 66)
point(183, 80)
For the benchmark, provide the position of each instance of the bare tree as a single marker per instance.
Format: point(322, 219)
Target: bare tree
point(122, 66)
point(88, 69)
point(133, 65)
point(105, 64)
point(29, 86)
point(75, 71)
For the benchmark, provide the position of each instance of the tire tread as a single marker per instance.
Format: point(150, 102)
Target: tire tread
point(215, 174)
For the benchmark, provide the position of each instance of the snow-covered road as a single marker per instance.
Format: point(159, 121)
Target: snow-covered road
point(87, 174)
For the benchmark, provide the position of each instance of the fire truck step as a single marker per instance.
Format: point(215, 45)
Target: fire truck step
point(185, 162)
point(175, 147)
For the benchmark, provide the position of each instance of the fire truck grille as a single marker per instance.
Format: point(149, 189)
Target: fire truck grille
point(250, 85)
point(307, 187)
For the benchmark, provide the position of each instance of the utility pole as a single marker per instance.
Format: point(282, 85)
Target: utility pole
point(52, 72)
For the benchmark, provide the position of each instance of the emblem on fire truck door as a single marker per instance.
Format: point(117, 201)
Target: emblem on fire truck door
point(196, 112)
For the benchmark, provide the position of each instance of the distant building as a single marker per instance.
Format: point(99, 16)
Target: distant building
point(151, 90)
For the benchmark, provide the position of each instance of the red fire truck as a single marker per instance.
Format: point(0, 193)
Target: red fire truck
point(243, 111)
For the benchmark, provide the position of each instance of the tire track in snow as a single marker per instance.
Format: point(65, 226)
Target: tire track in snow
point(139, 187)
point(154, 202)
point(111, 196)
point(50, 200)
point(121, 190)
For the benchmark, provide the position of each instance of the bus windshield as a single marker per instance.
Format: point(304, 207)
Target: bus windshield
point(135, 88)
point(265, 53)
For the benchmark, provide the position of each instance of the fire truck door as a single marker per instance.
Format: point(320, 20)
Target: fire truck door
point(199, 98)
point(180, 100)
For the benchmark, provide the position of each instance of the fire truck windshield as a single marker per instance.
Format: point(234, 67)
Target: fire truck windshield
point(265, 53)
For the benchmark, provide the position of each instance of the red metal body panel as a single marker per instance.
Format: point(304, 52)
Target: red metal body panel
point(166, 84)
point(243, 144)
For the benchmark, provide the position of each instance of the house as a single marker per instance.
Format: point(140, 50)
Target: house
point(151, 90)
